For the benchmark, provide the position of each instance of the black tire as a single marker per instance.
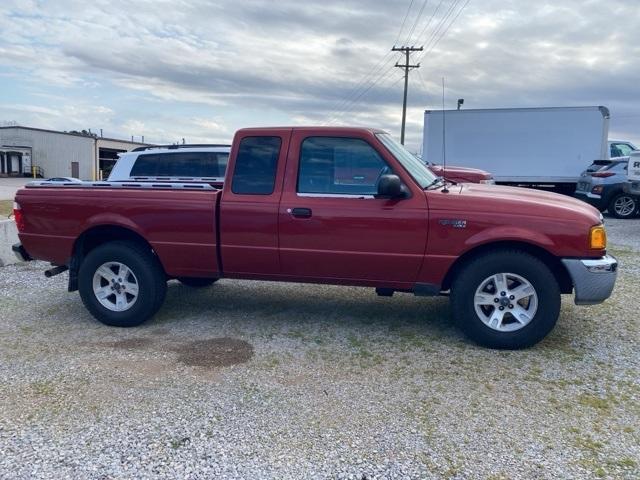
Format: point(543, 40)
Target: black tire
point(149, 277)
point(522, 264)
point(623, 205)
point(197, 282)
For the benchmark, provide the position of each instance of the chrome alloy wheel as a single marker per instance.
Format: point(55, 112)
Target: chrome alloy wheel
point(505, 302)
point(115, 286)
point(624, 206)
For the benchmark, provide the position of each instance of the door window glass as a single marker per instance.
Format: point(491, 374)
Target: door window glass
point(338, 165)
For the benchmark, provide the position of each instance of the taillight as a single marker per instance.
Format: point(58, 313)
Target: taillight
point(18, 217)
point(602, 174)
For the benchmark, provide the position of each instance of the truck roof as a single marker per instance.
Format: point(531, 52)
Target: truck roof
point(325, 129)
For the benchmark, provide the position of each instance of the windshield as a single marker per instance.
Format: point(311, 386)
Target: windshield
point(415, 167)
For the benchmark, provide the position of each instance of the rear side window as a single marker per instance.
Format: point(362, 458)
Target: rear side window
point(181, 164)
point(255, 170)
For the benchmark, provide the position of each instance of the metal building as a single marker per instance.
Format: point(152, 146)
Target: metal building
point(50, 153)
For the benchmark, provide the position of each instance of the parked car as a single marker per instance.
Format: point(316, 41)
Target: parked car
point(63, 180)
point(602, 185)
point(461, 174)
point(209, 162)
point(292, 209)
point(621, 148)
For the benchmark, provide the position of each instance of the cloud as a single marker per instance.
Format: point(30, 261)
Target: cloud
point(254, 62)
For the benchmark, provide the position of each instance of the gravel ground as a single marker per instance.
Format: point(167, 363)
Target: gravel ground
point(266, 380)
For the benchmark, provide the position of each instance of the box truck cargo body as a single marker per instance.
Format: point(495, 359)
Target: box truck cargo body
point(544, 147)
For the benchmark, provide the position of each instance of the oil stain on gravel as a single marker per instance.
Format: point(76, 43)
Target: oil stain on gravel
point(210, 353)
point(215, 352)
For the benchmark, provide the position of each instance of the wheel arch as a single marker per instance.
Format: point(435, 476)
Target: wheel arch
point(553, 263)
point(98, 235)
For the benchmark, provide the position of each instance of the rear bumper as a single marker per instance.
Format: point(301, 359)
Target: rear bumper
point(21, 253)
point(591, 198)
point(593, 279)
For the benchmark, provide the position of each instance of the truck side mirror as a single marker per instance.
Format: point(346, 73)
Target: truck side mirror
point(390, 186)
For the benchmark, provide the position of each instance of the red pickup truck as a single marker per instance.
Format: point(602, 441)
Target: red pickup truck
point(345, 206)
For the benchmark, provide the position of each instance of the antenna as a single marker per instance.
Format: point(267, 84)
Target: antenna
point(444, 144)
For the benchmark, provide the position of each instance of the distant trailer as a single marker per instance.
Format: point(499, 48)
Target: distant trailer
point(534, 147)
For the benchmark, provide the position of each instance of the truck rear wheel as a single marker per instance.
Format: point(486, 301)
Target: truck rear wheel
point(121, 284)
point(506, 300)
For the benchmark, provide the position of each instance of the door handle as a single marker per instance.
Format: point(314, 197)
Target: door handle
point(300, 212)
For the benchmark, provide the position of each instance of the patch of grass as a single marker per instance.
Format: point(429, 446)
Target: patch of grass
point(593, 401)
point(42, 387)
point(176, 443)
point(588, 444)
point(355, 342)
point(6, 208)
point(624, 462)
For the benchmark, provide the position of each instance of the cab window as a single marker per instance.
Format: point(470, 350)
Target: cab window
point(256, 165)
point(336, 165)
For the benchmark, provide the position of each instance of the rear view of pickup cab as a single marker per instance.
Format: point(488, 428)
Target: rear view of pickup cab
point(343, 206)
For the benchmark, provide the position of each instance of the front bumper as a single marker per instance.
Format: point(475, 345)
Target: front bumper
point(593, 279)
point(21, 253)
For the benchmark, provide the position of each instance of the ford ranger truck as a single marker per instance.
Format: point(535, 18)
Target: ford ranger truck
point(343, 206)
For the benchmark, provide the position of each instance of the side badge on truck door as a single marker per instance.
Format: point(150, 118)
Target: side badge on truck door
point(453, 222)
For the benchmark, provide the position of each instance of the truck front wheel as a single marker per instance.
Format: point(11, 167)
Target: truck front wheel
point(506, 300)
point(121, 284)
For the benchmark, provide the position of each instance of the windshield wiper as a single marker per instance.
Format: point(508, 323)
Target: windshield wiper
point(435, 182)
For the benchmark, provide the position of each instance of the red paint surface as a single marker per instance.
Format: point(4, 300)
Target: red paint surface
point(460, 174)
point(355, 241)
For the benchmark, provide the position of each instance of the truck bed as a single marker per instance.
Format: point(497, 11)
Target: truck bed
point(177, 220)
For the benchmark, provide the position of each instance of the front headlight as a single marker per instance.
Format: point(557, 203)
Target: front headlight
point(489, 181)
point(597, 237)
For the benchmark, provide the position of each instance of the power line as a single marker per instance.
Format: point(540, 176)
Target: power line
point(415, 23)
point(449, 26)
point(403, 22)
point(435, 39)
point(430, 20)
point(442, 22)
point(352, 103)
point(356, 92)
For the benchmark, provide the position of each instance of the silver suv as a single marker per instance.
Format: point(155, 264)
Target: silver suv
point(601, 185)
point(203, 162)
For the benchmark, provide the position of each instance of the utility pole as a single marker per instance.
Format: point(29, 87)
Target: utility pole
point(407, 66)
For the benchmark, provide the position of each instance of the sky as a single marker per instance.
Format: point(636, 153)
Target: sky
point(201, 69)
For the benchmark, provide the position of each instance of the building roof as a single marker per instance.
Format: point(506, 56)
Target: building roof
point(74, 134)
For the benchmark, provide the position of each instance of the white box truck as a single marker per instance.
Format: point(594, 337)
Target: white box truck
point(535, 147)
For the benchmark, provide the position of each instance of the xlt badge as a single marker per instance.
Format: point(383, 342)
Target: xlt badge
point(453, 222)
